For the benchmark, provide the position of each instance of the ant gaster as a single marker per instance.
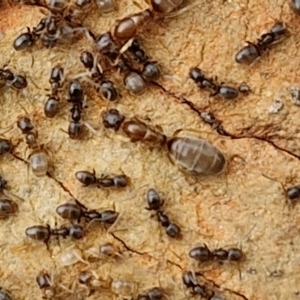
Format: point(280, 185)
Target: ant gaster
point(5, 146)
point(112, 119)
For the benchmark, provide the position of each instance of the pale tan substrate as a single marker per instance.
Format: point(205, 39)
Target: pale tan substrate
point(246, 207)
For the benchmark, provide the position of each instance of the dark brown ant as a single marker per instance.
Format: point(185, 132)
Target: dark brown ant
point(3, 184)
point(51, 106)
point(155, 203)
point(5, 146)
point(45, 283)
point(105, 87)
point(191, 282)
point(25, 40)
point(88, 178)
point(293, 193)
point(151, 70)
point(15, 81)
point(76, 97)
point(112, 119)
point(43, 233)
point(38, 158)
point(203, 254)
point(251, 52)
point(73, 211)
point(7, 207)
point(137, 52)
point(152, 294)
point(4, 295)
point(224, 91)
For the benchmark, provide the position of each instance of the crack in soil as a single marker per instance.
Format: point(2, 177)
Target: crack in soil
point(224, 288)
point(126, 246)
point(61, 185)
point(219, 128)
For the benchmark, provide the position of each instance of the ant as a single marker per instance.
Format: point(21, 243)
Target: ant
point(112, 44)
point(74, 211)
point(155, 203)
point(105, 87)
point(43, 233)
point(38, 157)
point(224, 91)
point(112, 119)
point(45, 283)
point(51, 106)
point(9, 79)
point(7, 207)
point(251, 52)
point(293, 193)
point(88, 178)
point(5, 146)
point(151, 70)
point(76, 97)
point(203, 254)
point(190, 281)
point(137, 130)
point(152, 294)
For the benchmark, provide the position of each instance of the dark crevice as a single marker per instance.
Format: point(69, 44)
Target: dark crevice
point(181, 99)
point(236, 137)
point(174, 264)
point(61, 185)
point(219, 129)
point(224, 288)
point(125, 245)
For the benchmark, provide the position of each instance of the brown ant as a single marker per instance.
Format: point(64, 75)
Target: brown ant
point(190, 281)
point(76, 97)
point(152, 294)
point(38, 158)
point(251, 52)
point(88, 178)
point(45, 283)
point(51, 106)
point(5, 146)
point(155, 203)
point(9, 79)
point(293, 193)
point(43, 233)
point(112, 119)
point(203, 254)
point(72, 211)
point(224, 91)
point(105, 87)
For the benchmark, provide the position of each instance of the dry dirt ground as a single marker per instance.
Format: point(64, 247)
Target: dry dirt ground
point(245, 207)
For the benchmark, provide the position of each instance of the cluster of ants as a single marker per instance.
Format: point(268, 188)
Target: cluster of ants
point(120, 48)
point(91, 281)
point(72, 211)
